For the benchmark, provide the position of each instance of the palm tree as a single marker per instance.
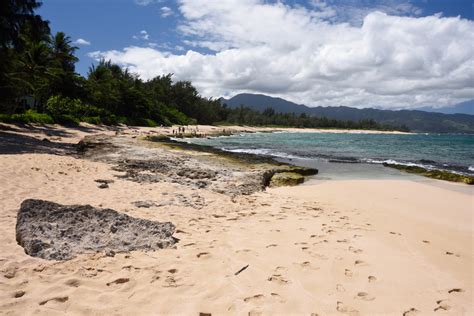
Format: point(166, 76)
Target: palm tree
point(63, 51)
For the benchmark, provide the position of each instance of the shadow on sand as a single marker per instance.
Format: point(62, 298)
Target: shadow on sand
point(12, 143)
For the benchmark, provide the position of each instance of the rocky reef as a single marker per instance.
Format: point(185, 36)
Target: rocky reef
point(157, 158)
point(286, 179)
point(434, 174)
point(60, 232)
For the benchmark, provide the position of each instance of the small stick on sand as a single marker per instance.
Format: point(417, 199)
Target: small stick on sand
point(243, 268)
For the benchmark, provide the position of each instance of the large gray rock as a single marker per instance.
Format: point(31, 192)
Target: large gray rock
point(60, 232)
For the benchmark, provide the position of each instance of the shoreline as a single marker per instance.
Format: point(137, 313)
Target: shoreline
point(224, 130)
point(416, 168)
point(331, 247)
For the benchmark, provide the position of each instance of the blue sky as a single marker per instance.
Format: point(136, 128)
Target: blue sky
point(159, 36)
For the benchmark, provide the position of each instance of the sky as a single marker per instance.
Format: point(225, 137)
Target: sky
point(389, 54)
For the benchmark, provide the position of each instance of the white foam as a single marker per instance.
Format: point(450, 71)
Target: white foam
point(394, 162)
point(263, 151)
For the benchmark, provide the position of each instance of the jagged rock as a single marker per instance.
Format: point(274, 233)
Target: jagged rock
point(196, 173)
point(60, 232)
point(286, 179)
point(96, 144)
point(304, 171)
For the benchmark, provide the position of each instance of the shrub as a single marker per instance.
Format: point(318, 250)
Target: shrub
point(92, 120)
point(109, 119)
point(177, 117)
point(143, 122)
point(67, 119)
point(5, 118)
point(58, 106)
point(31, 116)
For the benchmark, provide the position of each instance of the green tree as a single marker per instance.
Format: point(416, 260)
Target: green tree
point(14, 16)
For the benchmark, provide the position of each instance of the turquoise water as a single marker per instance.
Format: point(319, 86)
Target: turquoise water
point(432, 151)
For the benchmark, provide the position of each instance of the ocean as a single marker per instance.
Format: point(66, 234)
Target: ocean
point(342, 155)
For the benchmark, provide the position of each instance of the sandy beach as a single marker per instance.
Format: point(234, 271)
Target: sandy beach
point(326, 247)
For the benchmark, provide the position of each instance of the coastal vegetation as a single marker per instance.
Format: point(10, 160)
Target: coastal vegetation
point(39, 84)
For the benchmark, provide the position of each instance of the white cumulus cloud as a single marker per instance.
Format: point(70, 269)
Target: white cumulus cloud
point(147, 2)
point(81, 41)
point(308, 57)
point(142, 35)
point(166, 12)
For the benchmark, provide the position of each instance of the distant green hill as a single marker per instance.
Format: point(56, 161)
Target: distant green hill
point(417, 121)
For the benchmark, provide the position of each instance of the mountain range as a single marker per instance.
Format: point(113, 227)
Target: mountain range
point(425, 120)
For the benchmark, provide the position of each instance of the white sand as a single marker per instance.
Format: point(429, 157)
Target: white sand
point(327, 247)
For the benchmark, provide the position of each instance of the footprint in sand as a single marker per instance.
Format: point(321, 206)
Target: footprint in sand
point(321, 242)
point(355, 250)
point(371, 278)
point(257, 297)
point(395, 233)
point(411, 312)
point(279, 279)
point(10, 271)
point(118, 281)
point(348, 272)
point(155, 278)
point(281, 269)
point(306, 265)
point(455, 290)
point(342, 308)
point(203, 254)
point(243, 250)
point(442, 306)
point(426, 241)
point(300, 243)
point(314, 254)
point(73, 283)
point(449, 253)
point(170, 282)
point(360, 263)
point(340, 288)
point(277, 296)
point(19, 294)
point(61, 299)
point(271, 245)
point(130, 268)
point(364, 296)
